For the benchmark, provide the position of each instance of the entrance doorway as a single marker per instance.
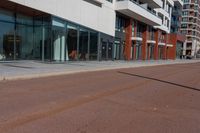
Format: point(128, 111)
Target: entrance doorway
point(150, 51)
point(138, 52)
point(179, 50)
point(160, 52)
point(107, 51)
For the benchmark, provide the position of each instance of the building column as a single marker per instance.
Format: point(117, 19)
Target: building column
point(165, 48)
point(144, 43)
point(147, 45)
point(135, 35)
point(156, 37)
point(128, 44)
point(172, 39)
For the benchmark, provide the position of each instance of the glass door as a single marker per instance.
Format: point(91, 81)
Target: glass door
point(104, 51)
point(160, 52)
point(138, 51)
point(110, 51)
point(116, 50)
point(152, 52)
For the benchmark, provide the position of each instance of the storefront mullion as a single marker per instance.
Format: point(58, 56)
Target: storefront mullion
point(88, 50)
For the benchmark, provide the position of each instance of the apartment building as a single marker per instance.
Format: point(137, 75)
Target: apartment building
point(190, 26)
point(81, 30)
point(176, 38)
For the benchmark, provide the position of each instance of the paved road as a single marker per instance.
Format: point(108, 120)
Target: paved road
point(159, 99)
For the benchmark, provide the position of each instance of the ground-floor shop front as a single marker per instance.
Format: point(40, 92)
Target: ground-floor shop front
point(28, 34)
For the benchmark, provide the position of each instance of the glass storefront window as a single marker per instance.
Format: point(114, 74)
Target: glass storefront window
point(72, 40)
point(133, 28)
point(59, 33)
point(24, 41)
point(7, 35)
point(93, 46)
point(58, 45)
point(38, 39)
point(116, 49)
point(45, 37)
point(7, 41)
point(22, 19)
point(160, 52)
point(6, 16)
point(83, 45)
point(138, 51)
point(42, 38)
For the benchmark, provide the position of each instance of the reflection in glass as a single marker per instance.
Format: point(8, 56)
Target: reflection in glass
point(38, 38)
point(24, 42)
point(7, 41)
point(6, 16)
point(44, 37)
point(6, 35)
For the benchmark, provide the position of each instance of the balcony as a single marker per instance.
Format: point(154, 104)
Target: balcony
point(153, 3)
point(178, 2)
point(151, 38)
point(98, 1)
point(138, 37)
point(177, 12)
point(175, 23)
point(138, 12)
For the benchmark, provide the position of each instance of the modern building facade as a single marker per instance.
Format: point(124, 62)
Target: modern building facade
point(176, 38)
point(85, 29)
point(190, 26)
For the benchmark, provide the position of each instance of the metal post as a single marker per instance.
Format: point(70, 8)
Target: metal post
point(99, 47)
point(43, 37)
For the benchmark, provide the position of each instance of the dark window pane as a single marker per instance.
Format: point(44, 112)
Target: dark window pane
point(93, 46)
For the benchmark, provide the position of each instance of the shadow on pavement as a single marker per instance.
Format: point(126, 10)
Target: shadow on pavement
point(24, 67)
point(167, 82)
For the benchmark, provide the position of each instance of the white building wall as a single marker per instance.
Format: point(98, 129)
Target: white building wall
point(79, 11)
point(166, 15)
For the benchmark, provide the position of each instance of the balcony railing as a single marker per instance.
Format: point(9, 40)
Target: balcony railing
point(140, 6)
point(151, 37)
point(139, 34)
